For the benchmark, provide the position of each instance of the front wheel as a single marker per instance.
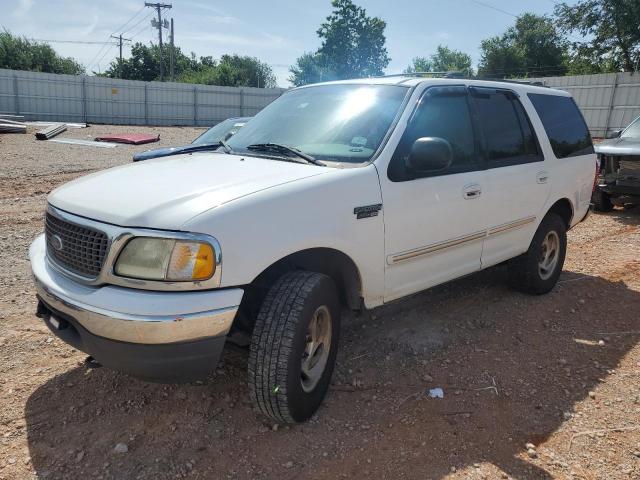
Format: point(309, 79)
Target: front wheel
point(294, 346)
point(537, 270)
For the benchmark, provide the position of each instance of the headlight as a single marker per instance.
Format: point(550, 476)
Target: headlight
point(166, 259)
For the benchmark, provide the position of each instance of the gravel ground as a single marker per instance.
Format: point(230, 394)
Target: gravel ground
point(534, 387)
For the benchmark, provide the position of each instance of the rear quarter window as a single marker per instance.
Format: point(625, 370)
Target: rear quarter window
point(564, 125)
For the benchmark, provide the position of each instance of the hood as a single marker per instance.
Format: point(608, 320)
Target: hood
point(619, 146)
point(160, 152)
point(166, 192)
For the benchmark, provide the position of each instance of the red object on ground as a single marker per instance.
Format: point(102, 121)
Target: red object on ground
point(131, 138)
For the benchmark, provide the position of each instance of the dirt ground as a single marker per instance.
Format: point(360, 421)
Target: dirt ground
point(560, 371)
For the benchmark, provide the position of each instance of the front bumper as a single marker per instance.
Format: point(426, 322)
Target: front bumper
point(154, 335)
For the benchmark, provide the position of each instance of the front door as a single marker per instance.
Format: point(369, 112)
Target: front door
point(434, 221)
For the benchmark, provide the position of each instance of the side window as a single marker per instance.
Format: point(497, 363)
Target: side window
point(508, 135)
point(564, 124)
point(442, 112)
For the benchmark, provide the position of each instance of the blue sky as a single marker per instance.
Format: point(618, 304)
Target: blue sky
point(276, 31)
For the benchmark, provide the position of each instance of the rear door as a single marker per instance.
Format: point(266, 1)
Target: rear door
point(516, 176)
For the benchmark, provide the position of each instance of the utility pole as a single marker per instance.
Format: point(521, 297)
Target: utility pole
point(159, 7)
point(172, 54)
point(120, 40)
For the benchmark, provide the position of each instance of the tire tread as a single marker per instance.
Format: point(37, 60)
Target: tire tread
point(272, 340)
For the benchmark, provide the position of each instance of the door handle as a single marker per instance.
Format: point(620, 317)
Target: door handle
point(542, 177)
point(471, 191)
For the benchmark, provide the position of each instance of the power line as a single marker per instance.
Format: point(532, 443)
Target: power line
point(93, 62)
point(146, 27)
point(478, 2)
point(138, 22)
point(129, 21)
point(82, 42)
point(104, 55)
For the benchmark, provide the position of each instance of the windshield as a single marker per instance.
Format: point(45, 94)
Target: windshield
point(633, 130)
point(221, 131)
point(339, 123)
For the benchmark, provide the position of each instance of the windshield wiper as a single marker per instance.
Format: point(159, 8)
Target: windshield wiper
point(223, 143)
point(280, 148)
point(199, 147)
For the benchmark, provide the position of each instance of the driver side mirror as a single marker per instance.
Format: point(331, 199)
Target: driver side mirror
point(429, 155)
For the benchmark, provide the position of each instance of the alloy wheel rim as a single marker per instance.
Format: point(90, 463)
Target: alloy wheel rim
point(316, 351)
point(549, 255)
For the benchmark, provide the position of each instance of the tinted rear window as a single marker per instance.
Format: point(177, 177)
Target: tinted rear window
point(564, 125)
point(506, 129)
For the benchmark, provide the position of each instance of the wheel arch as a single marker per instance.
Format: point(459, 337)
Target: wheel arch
point(564, 209)
point(331, 262)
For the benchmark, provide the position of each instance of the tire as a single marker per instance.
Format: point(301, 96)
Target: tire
point(601, 201)
point(533, 272)
point(277, 385)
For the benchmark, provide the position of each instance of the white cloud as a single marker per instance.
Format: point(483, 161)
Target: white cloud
point(23, 8)
point(248, 40)
point(442, 35)
point(224, 19)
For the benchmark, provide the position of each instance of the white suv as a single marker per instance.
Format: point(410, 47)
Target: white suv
point(339, 195)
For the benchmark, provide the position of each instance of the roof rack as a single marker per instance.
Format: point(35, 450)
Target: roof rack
point(536, 83)
point(425, 74)
point(461, 75)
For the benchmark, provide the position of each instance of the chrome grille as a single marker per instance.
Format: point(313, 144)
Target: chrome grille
point(77, 248)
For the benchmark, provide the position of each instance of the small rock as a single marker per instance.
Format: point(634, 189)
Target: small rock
point(601, 343)
point(636, 453)
point(289, 464)
point(11, 461)
point(121, 448)
point(80, 456)
point(427, 378)
point(592, 394)
point(530, 446)
point(582, 301)
point(532, 453)
point(275, 427)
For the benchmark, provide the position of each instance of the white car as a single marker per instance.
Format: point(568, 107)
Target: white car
point(340, 195)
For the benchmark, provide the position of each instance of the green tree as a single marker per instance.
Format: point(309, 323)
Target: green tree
point(444, 60)
point(310, 68)
point(533, 47)
point(244, 71)
point(609, 29)
point(18, 53)
point(231, 70)
point(353, 46)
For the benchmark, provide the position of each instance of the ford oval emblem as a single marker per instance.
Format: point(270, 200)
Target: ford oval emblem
point(56, 242)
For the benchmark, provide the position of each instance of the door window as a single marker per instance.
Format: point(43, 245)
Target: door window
point(508, 135)
point(442, 112)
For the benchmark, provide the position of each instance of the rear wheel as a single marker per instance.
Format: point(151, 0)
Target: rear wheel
point(294, 346)
point(601, 201)
point(537, 270)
